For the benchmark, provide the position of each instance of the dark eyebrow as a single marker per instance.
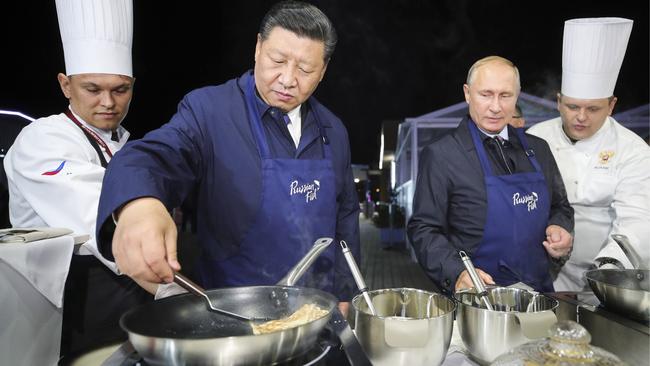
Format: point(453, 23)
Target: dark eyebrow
point(90, 84)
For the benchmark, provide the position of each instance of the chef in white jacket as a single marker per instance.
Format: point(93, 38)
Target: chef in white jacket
point(56, 165)
point(605, 166)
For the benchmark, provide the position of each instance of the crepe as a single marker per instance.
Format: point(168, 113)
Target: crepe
point(304, 315)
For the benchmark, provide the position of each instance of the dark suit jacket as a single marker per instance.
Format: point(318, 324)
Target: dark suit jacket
point(450, 202)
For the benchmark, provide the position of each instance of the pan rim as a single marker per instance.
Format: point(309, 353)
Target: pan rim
point(135, 310)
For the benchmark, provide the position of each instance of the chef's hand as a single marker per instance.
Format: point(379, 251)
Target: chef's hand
point(465, 281)
point(344, 308)
point(144, 243)
point(558, 241)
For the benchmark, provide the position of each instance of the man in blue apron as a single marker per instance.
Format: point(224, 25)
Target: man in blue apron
point(270, 167)
point(492, 191)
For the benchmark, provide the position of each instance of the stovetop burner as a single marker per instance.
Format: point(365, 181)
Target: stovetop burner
point(326, 352)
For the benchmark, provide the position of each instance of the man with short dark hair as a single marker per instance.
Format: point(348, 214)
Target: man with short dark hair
point(270, 165)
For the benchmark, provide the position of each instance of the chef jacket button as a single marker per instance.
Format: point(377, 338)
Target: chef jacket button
point(575, 181)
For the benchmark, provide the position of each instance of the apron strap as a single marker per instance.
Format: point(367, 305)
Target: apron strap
point(254, 118)
point(482, 155)
point(530, 153)
point(92, 139)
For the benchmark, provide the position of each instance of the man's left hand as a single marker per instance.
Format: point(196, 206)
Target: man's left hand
point(344, 308)
point(558, 241)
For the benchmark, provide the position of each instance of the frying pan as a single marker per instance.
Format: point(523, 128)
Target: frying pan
point(625, 291)
point(180, 330)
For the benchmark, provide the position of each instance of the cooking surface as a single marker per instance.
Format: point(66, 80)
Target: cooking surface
point(327, 351)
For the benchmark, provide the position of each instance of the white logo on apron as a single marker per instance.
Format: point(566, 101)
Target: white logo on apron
point(529, 200)
point(308, 189)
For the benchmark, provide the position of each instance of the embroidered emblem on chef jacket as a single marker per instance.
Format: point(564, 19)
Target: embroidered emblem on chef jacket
point(605, 156)
point(530, 200)
point(55, 171)
point(308, 189)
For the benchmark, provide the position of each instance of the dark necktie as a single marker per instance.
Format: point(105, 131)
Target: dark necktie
point(114, 136)
point(502, 155)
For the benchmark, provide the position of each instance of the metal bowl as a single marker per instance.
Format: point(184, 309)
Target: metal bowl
point(412, 327)
point(518, 317)
point(625, 291)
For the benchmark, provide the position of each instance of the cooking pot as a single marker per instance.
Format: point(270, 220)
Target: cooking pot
point(180, 330)
point(518, 317)
point(411, 327)
point(625, 291)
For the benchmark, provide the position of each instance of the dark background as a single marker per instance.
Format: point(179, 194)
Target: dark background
point(395, 59)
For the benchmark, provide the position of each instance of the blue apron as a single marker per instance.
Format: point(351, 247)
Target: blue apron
point(298, 206)
point(518, 207)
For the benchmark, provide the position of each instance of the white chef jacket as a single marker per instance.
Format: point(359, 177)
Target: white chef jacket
point(67, 198)
point(607, 178)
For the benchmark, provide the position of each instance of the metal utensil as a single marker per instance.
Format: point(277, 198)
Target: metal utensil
point(629, 251)
point(415, 327)
point(197, 290)
point(358, 278)
point(288, 280)
point(487, 334)
point(177, 330)
point(476, 280)
point(625, 291)
point(299, 269)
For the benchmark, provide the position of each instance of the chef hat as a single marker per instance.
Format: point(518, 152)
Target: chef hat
point(592, 55)
point(96, 36)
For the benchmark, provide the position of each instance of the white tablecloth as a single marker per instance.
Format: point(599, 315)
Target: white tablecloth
point(457, 354)
point(32, 279)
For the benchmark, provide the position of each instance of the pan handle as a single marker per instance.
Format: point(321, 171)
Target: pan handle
point(351, 346)
point(629, 251)
point(299, 269)
point(189, 285)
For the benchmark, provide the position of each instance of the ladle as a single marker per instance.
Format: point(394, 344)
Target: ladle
point(476, 280)
point(358, 278)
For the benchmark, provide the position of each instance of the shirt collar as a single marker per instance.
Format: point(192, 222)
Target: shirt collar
point(503, 133)
point(263, 108)
point(294, 114)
